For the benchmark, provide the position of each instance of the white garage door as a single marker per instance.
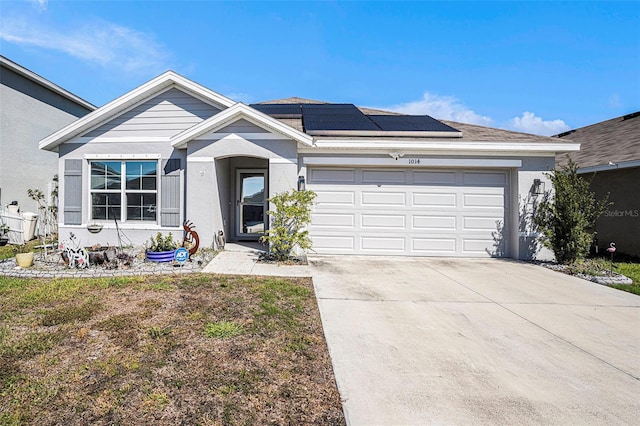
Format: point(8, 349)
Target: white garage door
point(414, 212)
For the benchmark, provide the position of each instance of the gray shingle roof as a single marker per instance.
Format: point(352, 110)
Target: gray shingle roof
point(470, 132)
point(616, 140)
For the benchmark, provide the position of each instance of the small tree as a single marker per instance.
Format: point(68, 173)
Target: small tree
point(288, 221)
point(567, 218)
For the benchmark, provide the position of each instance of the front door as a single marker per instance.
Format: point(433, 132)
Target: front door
point(251, 202)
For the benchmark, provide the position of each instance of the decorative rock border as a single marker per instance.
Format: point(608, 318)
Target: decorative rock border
point(616, 279)
point(53, 267)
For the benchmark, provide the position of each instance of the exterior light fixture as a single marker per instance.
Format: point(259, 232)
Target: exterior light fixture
point(538, 187)
point(301, 184)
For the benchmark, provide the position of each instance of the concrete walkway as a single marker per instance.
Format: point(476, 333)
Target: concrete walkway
point(484, 342)
point(242, 259)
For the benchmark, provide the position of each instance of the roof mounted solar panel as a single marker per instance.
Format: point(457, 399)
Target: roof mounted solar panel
point(332, 118)
point(410, 123)
point(279, 110)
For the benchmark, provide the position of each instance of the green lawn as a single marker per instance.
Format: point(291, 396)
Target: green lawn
point(631, 270)
point(164, 350)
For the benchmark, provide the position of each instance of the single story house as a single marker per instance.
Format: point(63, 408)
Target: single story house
point(172, 150)
point(610, 158)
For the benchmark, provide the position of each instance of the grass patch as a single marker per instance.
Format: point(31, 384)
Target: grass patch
point(68, 314)
point(223, 329)
point(628, 267)
point(101, 351)
point(631, 270)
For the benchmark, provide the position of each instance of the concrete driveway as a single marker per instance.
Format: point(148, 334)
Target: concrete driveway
point(460, 341)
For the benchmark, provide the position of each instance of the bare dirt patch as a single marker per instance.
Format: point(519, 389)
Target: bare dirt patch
point(199, 349)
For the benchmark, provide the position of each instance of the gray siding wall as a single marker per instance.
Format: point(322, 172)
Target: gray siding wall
point(24, 121)
point(164, 115)
point(242, 126)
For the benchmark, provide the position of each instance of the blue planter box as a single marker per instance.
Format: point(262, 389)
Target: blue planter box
point(160, 256)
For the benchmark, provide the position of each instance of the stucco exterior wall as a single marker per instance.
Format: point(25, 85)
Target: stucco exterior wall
point(528, 238)
point(132, 233)
point(26, 118)
point(621, 222)
point(211, 178)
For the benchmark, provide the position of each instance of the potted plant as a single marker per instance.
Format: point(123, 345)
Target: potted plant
point(24, 255)
point(162, 248)
point(4, 231)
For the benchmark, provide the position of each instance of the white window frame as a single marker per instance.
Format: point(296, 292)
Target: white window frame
point(123, 189)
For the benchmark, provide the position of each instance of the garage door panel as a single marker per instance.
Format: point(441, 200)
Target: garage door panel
point(417, 212)
point(483, 200)
point(376, 221)
point(437, 223)
point(333, 220)
point(434, 178)
point(338, 176)
point(388, 177)
point(382, 199)
point(382, 243)
point(483, 179)
point(439, 246)
point(434, 199)
point(343, 198)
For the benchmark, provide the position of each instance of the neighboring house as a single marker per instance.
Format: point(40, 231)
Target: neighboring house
point(31, 108)
point(610, 158)
point(172, 150)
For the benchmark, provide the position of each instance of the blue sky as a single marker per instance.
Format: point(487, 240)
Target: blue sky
point(540, 67)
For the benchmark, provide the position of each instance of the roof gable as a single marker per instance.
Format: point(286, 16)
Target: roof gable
point(238, 112)
point(141, 94)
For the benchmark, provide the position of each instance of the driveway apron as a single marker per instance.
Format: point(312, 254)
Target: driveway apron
point(475, 341)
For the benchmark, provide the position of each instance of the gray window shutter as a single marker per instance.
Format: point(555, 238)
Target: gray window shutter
point(72, 192)
point(170, 193)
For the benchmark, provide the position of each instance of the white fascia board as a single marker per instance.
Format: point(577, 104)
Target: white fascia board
point(159, 84)
point(233, 114)
point(411, 162)
point(126, 139)
point(608, 167)
point(384, 133)
point(422, 145)
point(122, 156)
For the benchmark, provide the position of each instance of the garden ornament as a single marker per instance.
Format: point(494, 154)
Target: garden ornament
point(74, 257)
point(190, 237)
point(220, 240)
point(611, 249)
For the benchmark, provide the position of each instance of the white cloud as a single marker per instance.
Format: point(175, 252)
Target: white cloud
point(530, 123)
point(40, 4)
point(443, 108)
point(100, 42)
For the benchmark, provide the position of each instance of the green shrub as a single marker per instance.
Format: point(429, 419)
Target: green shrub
point(567, 217)
point(288, 221)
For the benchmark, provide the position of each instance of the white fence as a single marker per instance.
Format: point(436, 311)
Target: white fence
point(16, 226)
